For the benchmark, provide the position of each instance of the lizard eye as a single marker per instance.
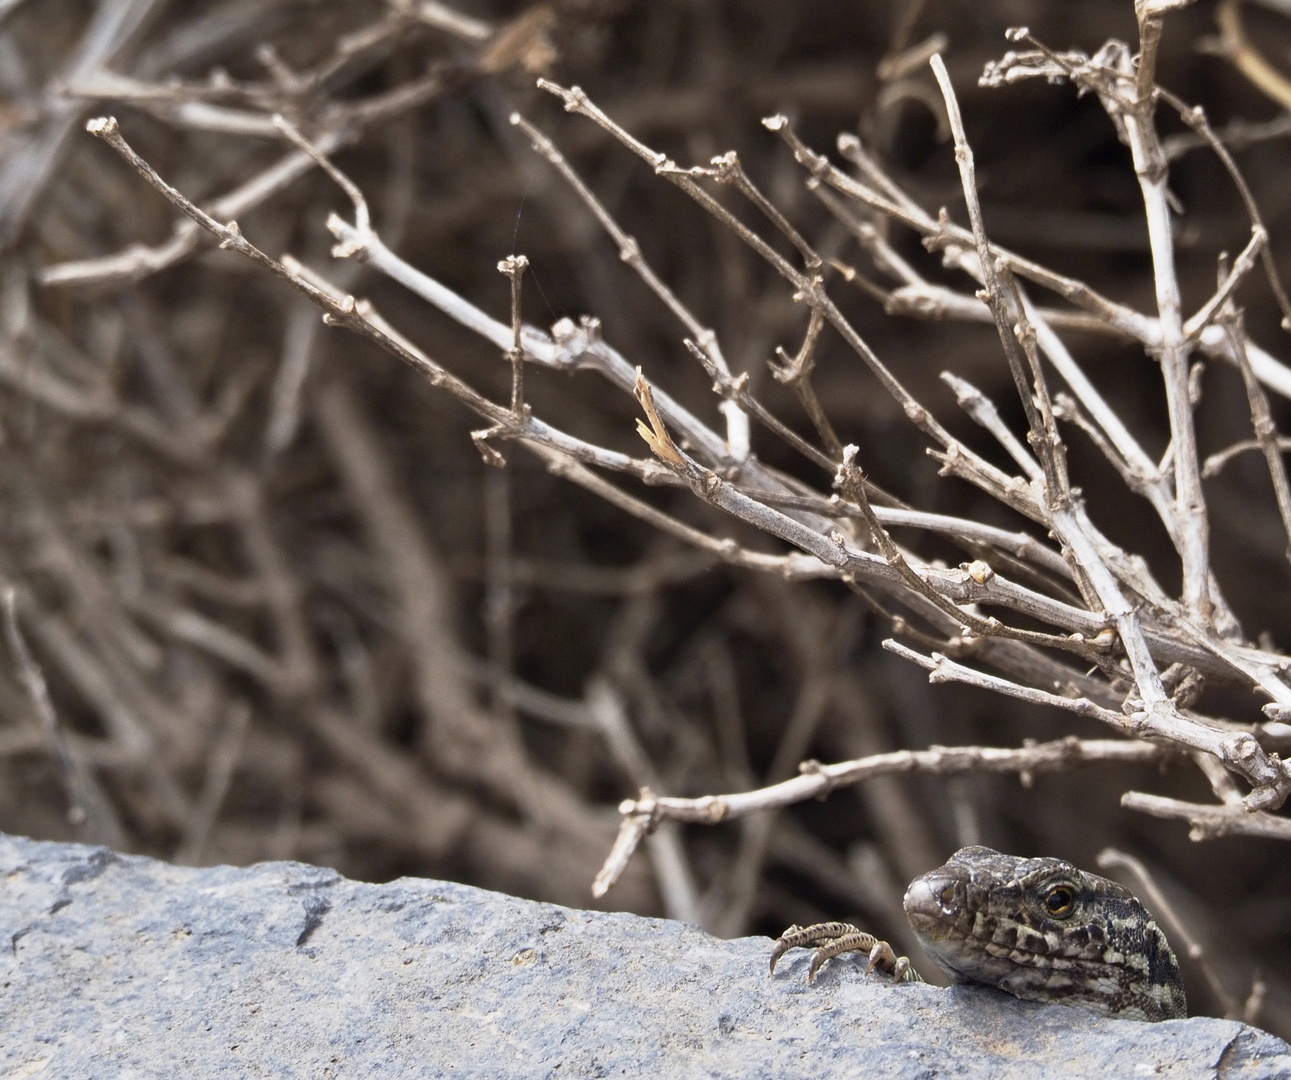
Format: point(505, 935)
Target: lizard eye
point(1059, 901)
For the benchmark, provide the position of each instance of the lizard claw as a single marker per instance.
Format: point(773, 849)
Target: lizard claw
point(834, 939)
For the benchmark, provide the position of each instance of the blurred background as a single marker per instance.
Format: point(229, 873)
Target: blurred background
point(285, 611)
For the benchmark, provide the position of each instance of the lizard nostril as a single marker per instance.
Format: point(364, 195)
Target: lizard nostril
point(947, 896)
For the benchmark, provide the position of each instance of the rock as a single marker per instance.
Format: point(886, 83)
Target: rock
point(117, 966)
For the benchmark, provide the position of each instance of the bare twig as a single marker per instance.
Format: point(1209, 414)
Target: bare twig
point(1266, 432)
point(513, 267)
point(816, 780)
point(1209, 822)
point(86, 805)
point(219, 772)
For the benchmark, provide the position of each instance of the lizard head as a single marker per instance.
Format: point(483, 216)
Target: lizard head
point(1044, 930)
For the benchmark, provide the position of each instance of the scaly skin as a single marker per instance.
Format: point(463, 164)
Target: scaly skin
point(1039, 928)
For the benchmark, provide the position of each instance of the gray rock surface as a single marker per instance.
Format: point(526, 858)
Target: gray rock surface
point(121, 967)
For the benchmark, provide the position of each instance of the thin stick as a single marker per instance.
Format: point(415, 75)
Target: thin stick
point(816, 781)
point(499, 594)
point(514, 266)
point(942, 669)
point(1266, 431)
point(221, 765)
point(1210, 821)
point(33, 682)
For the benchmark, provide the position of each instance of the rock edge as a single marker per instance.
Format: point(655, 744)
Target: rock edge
point(122, 966)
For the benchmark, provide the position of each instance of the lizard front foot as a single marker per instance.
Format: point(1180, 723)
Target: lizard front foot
point(833, 939)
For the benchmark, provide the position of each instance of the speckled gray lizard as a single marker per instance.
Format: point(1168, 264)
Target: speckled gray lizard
point(1039, 928)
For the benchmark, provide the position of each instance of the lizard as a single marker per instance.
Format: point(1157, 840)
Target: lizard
point(1040, 929)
